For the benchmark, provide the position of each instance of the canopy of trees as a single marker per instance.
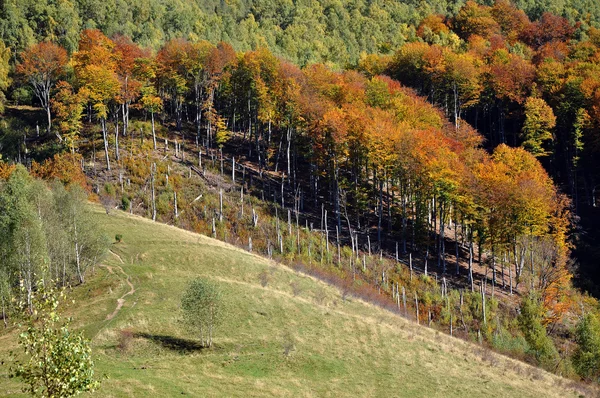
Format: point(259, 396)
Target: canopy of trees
point(47, 233)
point(522, 82)
point(303, 32)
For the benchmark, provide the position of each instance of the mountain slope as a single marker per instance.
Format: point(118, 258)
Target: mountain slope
point(335, 346)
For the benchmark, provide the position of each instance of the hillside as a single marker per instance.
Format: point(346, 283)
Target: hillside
point(336, 346)
point(438, 170)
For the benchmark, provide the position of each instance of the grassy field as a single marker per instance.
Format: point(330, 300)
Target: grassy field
point(294, 337)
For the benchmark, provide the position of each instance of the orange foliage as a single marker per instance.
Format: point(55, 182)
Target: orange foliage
point(65, 167)
point(43, 61)
point(475, 19)
point(511, 76)
point(6, 170)
point(435, 23)
point(512, 21)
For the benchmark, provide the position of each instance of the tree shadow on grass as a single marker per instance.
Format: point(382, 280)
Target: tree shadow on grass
point(173, 343)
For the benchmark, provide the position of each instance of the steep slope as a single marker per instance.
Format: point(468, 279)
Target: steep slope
point(295, 336)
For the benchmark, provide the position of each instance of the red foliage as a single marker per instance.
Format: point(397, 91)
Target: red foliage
point(549, 28)
point(219, 58)
point(556, 50)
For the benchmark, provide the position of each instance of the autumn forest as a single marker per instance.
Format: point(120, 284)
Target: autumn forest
point(444, 167)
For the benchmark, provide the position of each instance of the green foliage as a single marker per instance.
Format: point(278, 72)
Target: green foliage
point(223, 135)
point(23, 248)
point(538, 125)
point(202, 309)
point(318, 31)
point(125, 203)
point(46, 229)
point(506, 342)
point(59, 361)
point(22, 95)
point(81, 234)
point(530, 323)
point(11, 137)
point(5, 55)
point(110, 189)
point(586, 358)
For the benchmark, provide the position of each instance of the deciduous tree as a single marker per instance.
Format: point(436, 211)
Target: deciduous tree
point(202, 309)
point(42, 65)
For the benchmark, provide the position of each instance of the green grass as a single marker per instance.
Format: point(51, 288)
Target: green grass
point(341, 347)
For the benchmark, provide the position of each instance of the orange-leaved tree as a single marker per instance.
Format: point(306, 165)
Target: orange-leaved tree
point(95, 68)
point(42, 65)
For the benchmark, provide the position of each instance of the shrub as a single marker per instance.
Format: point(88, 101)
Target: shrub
point(296, 288)
point(505, 342)
point(109, 189)
point(320, 295)
point(264, 277)
point(125, 340)
point(202, 309)
point(586, 358)
point(125, 203)
point(530, 323)
point(59, 361)
point(108, 203)
point(65, 167)
point(289, 343)
point(118, 238)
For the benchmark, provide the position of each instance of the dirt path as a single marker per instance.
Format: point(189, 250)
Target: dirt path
point(117, 256)
point(121, 300)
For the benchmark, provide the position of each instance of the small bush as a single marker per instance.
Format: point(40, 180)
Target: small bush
point(125, 340)
point(263, 277)
point(118, 238)
point(289, 344)
point(296, 288)
point(505, 342)
point(320, 295)
point(125, 203)
point(109, 189)
point(586, 358)
point(108, 203)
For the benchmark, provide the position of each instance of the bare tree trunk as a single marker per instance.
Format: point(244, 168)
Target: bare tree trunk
point(50, 122)
point(153, 130)
point(105, 137)
point(175, 204)
point(220, 205)
point(152, 172)
point(483, 302)
point(117, 136)
point(456, 246)
point(417, 307)
point(4, 312)
point(471, 264)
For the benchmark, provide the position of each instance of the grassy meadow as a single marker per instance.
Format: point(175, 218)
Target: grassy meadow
point(285, 334)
